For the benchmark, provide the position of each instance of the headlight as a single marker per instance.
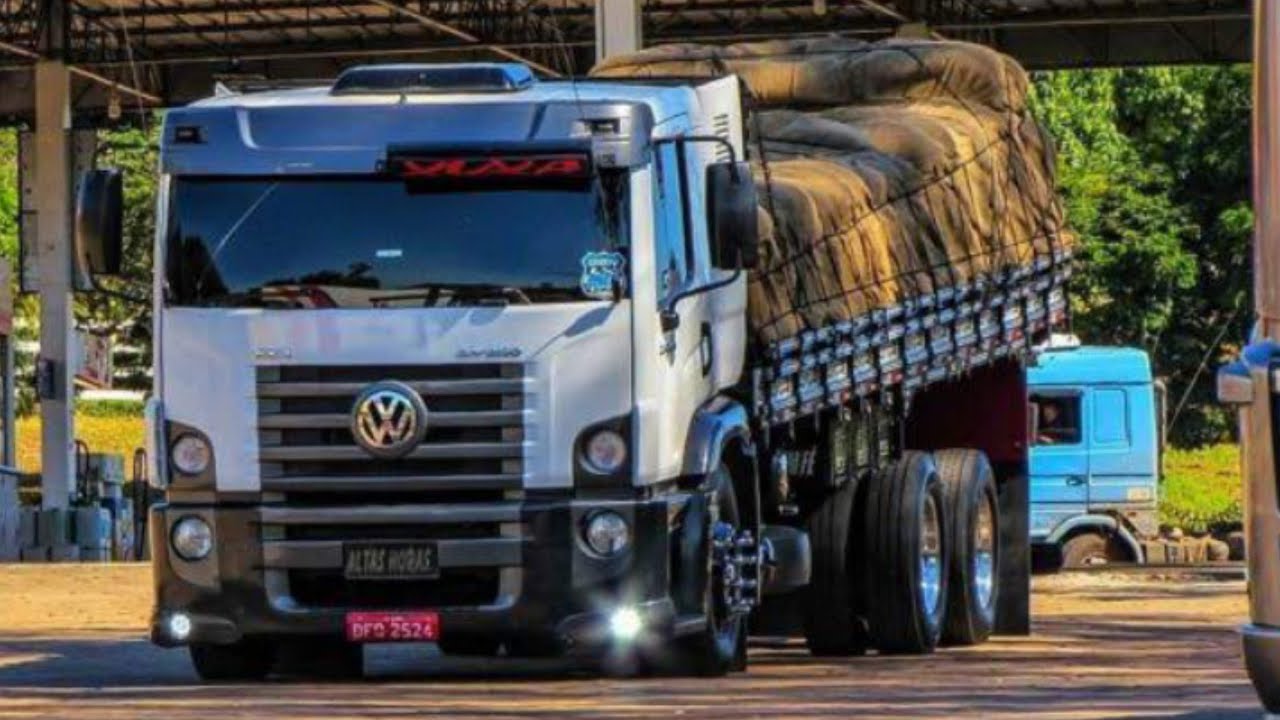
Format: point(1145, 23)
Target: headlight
point(605, 453)
point(191, 455)
point(607, 533)
point(192, 538)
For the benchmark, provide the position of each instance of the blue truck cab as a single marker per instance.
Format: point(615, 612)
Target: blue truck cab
point(1095, 456)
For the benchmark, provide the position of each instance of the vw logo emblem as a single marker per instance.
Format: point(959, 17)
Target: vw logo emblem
point(389, 419)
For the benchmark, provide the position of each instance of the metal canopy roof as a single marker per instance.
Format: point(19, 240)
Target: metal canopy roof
point(173, 51)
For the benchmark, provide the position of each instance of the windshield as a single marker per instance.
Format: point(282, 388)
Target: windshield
point(382, 242)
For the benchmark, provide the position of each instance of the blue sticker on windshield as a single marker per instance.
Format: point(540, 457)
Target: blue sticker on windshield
point(599, 272)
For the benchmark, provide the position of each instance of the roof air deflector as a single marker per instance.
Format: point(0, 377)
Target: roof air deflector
point(451, 78)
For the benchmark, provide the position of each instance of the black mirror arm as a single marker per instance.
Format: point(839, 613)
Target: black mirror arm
point(715, 139)
point(670, 319)
point(95, 286)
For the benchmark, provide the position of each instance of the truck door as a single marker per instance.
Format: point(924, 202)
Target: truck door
point(1122, 439)
point(1059, 455)
point(685, 355)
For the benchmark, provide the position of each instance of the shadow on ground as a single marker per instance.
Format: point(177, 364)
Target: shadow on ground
point(1125, 665)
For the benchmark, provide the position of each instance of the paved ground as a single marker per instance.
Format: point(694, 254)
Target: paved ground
point(1110, 646)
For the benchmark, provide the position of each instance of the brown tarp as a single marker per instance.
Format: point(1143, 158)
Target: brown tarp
point(893, 168)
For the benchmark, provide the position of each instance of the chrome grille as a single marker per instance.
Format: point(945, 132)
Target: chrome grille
point(460, 488)
point(475, 436)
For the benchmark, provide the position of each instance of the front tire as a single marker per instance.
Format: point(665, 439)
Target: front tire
point(320, 658)
point(974, 567)
point(721, 646)
point(468, 645)
point(905, 551)
point(248, 659)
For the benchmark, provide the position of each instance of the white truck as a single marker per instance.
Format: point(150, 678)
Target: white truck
point(422, 375)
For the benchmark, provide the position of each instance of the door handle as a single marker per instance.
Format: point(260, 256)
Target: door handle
point(705, 344)
point(1076, 480)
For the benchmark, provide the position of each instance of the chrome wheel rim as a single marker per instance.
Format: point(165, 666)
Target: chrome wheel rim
point(930, 556)
point(984, 555)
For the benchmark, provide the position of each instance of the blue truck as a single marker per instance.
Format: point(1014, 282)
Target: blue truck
point(1097, 416)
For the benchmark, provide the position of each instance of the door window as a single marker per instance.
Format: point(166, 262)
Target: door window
point(1058, 419)
point(670, 267)
point(1110, 417)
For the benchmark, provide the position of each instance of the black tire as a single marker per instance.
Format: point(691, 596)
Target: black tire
point(721, 646)
point(248, 659)
point(468, 645)
point(972, 507)
point(832, 626)
point(534, 648)
point(322, 658)
point(1092, 549)
point(900, 617)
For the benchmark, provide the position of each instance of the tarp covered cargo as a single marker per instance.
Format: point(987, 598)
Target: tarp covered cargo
point(893, 169)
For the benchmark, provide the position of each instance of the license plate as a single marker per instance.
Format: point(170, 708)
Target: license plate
point(377, 627)
point(390, 561)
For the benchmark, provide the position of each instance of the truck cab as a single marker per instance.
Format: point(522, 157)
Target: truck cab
point(1095, 454)
point(434, 351)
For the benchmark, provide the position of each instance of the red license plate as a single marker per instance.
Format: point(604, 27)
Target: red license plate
point(378, 627)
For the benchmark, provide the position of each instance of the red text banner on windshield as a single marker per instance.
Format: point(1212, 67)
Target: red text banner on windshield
point(562, 166)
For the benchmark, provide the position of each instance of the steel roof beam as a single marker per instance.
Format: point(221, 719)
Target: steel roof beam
point(87, 74)
point(447, 29)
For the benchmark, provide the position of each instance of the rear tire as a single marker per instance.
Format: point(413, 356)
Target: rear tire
point(905, 550)
point(832, 627)
point(248, 659)
point(974, 567)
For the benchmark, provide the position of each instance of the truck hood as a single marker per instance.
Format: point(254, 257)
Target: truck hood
point(577, 360)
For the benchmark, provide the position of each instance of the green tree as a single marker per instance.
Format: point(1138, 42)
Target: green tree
point(1153, 166)
point(133, 151)
point(8, 195)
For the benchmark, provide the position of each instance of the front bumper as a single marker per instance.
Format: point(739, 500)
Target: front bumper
point(513, 570)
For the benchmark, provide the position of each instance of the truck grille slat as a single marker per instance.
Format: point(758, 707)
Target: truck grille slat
point(308, 421)
point(423, 452)
point(424, 387)
point(391, 514)
point(361, 483)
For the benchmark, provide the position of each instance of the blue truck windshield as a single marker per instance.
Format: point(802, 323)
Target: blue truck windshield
point(375, 242)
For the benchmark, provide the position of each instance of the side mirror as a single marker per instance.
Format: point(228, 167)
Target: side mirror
point(99, 235)
point(733, 221)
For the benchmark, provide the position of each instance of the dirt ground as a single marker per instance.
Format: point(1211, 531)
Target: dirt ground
point(1104, 646)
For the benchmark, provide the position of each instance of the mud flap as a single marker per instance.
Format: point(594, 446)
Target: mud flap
point(1013, 609)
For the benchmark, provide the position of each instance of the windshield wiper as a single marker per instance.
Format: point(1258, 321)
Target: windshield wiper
point(235, 227)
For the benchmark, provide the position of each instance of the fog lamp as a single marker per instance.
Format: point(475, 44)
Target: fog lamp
point(192, 538)
point(625, 624)
point(179, 626)
point(607, 533)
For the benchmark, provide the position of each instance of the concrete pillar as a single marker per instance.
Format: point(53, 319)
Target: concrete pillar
point(54, 208)
point(617, 27)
